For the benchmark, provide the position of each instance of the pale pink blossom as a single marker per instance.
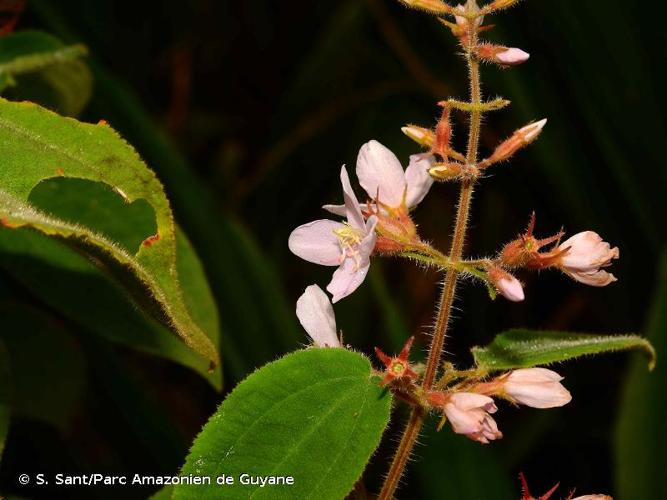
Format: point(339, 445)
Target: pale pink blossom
point(512, 56)
point(506, 284)
point(381, 175)
point(316, 315)
point(593, 497)
point(469, 414)
point(346, 245)
point(536, 387)
point(587, 253)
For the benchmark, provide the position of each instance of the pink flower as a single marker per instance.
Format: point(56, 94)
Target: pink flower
point(593, 497)
point(382, 177)
point(316, 315)
point(506, 284)
point(586, 254)
point(536, 387)
point(469, 414)
point(346, 245)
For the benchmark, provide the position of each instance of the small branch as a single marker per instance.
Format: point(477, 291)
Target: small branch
point(403, 452)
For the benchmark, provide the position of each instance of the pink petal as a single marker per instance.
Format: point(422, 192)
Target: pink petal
point(587, 251)
point(593, 278)
point(352, 210)
point(316, 315)
point(463, 421)
point(347, 279)
point(471, 400)
point(418, 180)
point(335, 209)
point(380, 174)
point(316, 242)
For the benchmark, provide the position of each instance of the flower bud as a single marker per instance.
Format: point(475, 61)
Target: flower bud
point(500, 4)
point(431, 6)
point(506, 284)
point(504, 56)
point(536, 387)
point(446, 171)
point(421, 135)
point(519, 139)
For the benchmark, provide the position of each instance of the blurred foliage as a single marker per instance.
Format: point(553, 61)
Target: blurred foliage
point(246, 110)
point(641, 431)
point(38, 67)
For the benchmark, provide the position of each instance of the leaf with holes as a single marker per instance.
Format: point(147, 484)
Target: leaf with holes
point(526, 348)
point(35, 145)
point(316, 415)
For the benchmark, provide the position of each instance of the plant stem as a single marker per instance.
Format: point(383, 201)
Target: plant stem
point(416, 421)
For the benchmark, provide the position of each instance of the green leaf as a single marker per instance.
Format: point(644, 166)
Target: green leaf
point(641, 437)
point(36, 144)
point(525, 348)
point(38, 67)
point(5, 395)
point(315, 415)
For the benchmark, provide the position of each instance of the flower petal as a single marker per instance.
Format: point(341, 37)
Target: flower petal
point(316, 315)
point(316, 242)
point(593, 278)
point(380, 174)
point(352, 210)
point(587, 251)
point(335, 209)
point(472, 400)
point(418, 180)
point(464, 421)
point(347, 279)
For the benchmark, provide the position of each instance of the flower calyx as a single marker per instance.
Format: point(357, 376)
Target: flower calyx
point(524, 251)
point(397, 368)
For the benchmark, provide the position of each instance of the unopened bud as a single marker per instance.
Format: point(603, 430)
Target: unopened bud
point(500, 4)
point(504, 56)
point(530, 132)
point(446, 171)
point(506, 284)
point(431, 6)
point(421, 135)
point(519, 139)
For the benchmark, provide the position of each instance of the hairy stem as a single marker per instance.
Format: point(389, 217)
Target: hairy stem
point(416, 421)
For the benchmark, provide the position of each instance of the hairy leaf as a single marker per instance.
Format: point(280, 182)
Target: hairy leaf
point(38, 67)
point(36, 144)
point(525, 348)
point(316, 415)
point(641, 428)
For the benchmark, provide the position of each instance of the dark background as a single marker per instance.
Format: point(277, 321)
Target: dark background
point(261, 102)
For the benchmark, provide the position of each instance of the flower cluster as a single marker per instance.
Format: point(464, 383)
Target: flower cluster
point(469, 404)
point(382, 225)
